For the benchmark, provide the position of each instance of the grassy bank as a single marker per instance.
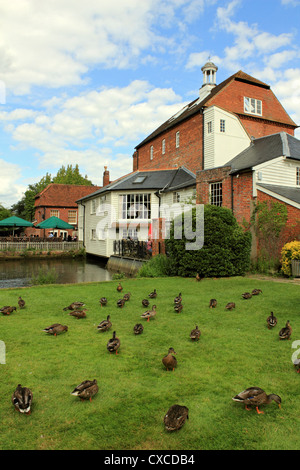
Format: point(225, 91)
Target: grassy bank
point(235, 351)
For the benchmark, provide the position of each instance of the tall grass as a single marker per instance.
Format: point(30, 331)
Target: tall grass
point(235, 351)
point(45, 276)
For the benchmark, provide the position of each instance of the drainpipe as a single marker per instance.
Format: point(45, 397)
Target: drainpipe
point(83, 227)
point(232, 205)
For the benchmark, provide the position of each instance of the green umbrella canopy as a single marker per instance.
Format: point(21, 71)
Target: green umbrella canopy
point(54, 222)
point(15, 222)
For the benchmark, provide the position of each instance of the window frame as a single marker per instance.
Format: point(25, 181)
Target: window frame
point(135, 206)
point(216, 193)
point(151, 152)
point(163, 146)
point(222, 126)
point(254, 106)
point(74, 218)
point(177, 139)
point(54, 213)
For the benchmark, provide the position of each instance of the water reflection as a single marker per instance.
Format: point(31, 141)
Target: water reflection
point(19, 273)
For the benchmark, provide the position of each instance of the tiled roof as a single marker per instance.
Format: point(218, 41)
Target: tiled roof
point(264, 149)
point(285, 191)
point(62, 195)
point(196, 105)
point(151, 180)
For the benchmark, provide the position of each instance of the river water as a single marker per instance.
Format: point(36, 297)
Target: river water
point(19, 273)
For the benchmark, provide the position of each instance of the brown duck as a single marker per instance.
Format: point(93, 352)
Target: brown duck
point(22, 399)
point(7, 310)
point(78, 314)
point(86, 390)
point(105, 325)
point(256, 396)
point(195, 334)
point(127, 296)
point(138, 329)
point(74, 306)
point(153, 294)
point(149, 313)
point(230, 305)
point(56, 329)
point(170, 361)
point(175, 417)
point(256, 292)
point(119, 287)
point(113, 344)
point(21, 302)
point(145, 303)
point(271, 321)
point(246, 295)
point(286, 332)
point(103, 301)
point(212, 303)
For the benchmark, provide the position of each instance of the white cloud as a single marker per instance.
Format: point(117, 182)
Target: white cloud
point(10, 190)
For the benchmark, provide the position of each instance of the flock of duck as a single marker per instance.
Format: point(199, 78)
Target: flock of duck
point(177, 414)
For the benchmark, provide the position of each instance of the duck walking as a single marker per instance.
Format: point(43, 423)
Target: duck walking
point(56, 329)
point(178, 307)
point(113, 344)
point(175, 417)
point(212, 303)
point(78, 314)
point(74, 306)
point(195, 334)
point(286, 332)
point(256, 292)
point(105, 325)
point(178, 299)
point(170, 361)
point(21, 302)
point(127, 296)
point(153, 294)
point(246, 295)
point(256, 396)
point(121, 303)
point(103, 301)
point(119, 287)
point(271, 321)
point(145, 303)
point(7, 310)
point(86, 390)
point(149, 313)
point(230, 306)
point(22, 399)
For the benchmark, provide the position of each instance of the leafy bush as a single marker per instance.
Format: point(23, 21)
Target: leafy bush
point(45, 276)
point(226, 249)
point(289, 252)
point(158, 266)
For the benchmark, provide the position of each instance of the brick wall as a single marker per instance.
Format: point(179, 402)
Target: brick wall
point(189, 153)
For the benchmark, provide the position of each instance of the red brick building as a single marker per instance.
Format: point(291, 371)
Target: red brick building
point(59, 200)
point(238, 140)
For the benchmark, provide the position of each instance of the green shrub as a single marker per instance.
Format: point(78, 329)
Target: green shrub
point(45, 276)
point(157, 266)
point(226, 249)
point(289, 252)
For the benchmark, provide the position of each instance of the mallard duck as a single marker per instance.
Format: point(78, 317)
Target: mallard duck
point(138, 329)
point(21, 302)
point(176, 417)
point(178, 299)
point(86, 390)
point(127, 296)
point(195, 334)
point(256, 292)
point(103, 301)
point(113, 344)
point(153, 294)
point(246, 295)
point(149, 313)
point(286, 332)
point(74, 306)
point(178, 307)
point(121, 303)
point(145, 303)
point(230, 305)
point(105, 325)
point(271, 320)
point(119, 287)
point(22, 399)
point(212, 303)
point(56, 329)
point(297, 364)
point(256, 396)
point(199, 277)
point(170, 361)
point(78, 313)
point(7, 310)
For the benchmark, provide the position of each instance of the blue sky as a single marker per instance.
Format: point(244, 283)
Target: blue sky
point(83, 82)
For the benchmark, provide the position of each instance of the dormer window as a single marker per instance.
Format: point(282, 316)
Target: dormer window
point(252, 106)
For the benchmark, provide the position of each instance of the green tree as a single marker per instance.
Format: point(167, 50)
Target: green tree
point(4, 213)
point(71, 175)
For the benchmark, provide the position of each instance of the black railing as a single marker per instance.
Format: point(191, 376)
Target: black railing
point(132, 248)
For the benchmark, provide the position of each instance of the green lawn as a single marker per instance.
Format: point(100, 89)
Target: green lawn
point(235, 351)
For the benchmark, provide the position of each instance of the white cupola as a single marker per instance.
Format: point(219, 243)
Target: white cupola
point(209, 79)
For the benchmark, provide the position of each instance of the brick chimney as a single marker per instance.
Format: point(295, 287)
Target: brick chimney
point(105, 177)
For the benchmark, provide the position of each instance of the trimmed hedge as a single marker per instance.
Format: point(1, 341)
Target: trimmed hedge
point(226, 249)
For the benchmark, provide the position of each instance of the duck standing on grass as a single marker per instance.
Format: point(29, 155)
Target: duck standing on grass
point(22, 399)
point(21, 302)
point(103, 301)
point(138, 329)
point(230, 306)
point(119, 287)
point(271, 321)
point(149, 313)
point(74, 306)
point(176, 417)
point(56, 329)
point(153, 294)
point(113, 344)
point(105, 325)
point(78, 314)
point(7, 310)
point(170, 361)
point(195, 334)
point(246, 295)
point(86, 390)
point(286, 332)
point(256, 396)
point(212, 303)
